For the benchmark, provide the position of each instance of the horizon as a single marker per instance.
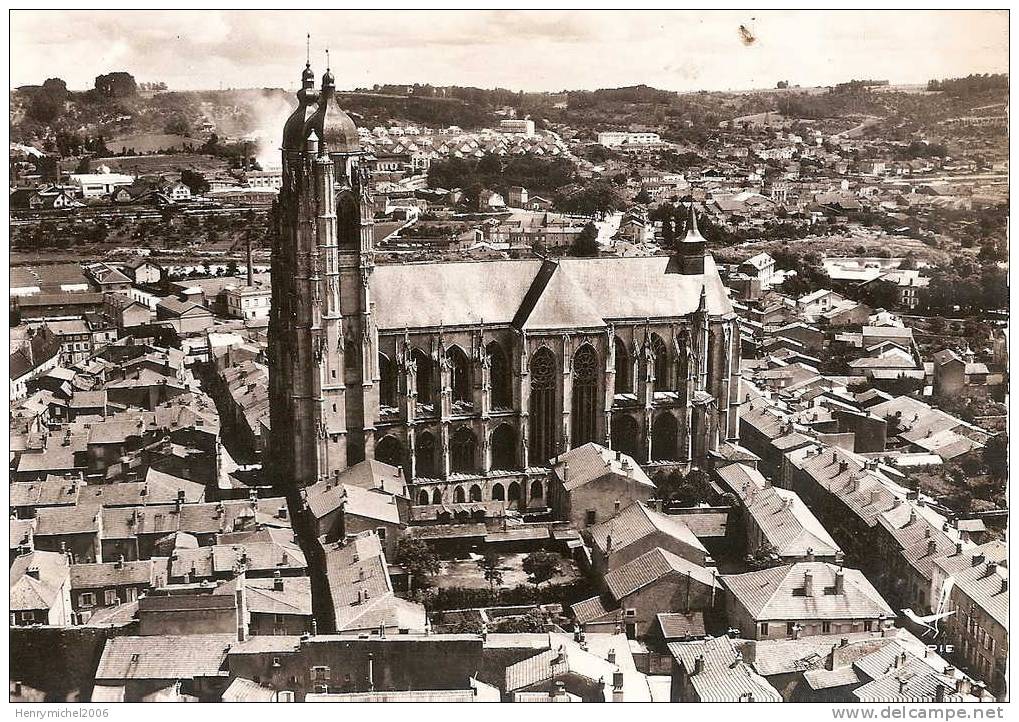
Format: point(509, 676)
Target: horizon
point(727, 51)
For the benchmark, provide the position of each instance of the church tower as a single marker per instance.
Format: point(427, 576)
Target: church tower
point(322, 341)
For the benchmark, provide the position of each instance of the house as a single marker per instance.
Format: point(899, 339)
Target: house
point(71, 530)
point(40, 589)
point(107, 278)
point(489, 200)
point(95, 587)
point(776, 520)
point(636, 592)
point(590, 483)
point(133, 667)
point(638, 529)
point(126, 312)
point(803, 599)
point(361, 590)
point(278, 605)
point(713, 670)
point(185, 317)
point(248, 301)
point(35, 357)
point(143, 271)
point(973, 583)
point(101, 183)
point(341, 510)
point(761, 267)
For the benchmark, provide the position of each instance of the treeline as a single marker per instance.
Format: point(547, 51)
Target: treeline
point(970, 85)
point(537, 174)
point(378, 110)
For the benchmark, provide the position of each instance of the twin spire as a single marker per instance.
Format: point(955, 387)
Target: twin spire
point(308, 76)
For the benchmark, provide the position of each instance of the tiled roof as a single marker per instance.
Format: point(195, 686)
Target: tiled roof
point(725, 676)
point(592, 609)
point(636, 522)
point(262, 596)
point(60, 520)
point(110, 574)
point(778, 593)
point(244, 690)
point(27, 592)
point(21, 532)
point(325, 497)
point(590, 462)
point(125, 522)
point(677, 625)
point(788, 525)
point(650, 567)
point(164, 657)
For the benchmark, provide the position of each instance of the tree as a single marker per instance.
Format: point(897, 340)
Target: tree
point(586, 242)
point(765, 557)
point(643, 197)
point(418, 559)
point(194, 181)
point(880, 294)
point(116, 85)
point(489, 565)
point(540, 566)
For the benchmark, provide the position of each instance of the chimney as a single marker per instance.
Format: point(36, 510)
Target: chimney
point(119, 564)
point(939, 693)
point(958, 548)
point(33, 571)
point(992, 567)
point(617, 686)
point(611, 656)
point(978, 559)
point(314, 626)
point(808, 584)
point(902, 685)
point(840, 582)
point(281, 513)
point(277, 581)
point(810, 555)
point(932, 547)
point(698, 664)
point(1004, 586)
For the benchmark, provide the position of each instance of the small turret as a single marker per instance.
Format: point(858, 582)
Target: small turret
point(688, 260)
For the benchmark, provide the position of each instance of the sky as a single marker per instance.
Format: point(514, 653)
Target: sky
point(519, 50)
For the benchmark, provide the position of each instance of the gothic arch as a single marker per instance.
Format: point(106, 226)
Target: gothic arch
point(387, 381)
point(664, 437)
point(504, 448)
point(423, 497)
point(424, 455)
point(625, 435)
point(437, 496)
point(462, 447)
point(501, 377)
point(660, 363)
point(498, 492)
point(425, 376)
point(459, 375)
point(513, 491)
point(458, 495)
point(624, 383)
point(585, 406)
point(348, 222)
point(543, 413)
point(475, 493)
point(389, 450)
point(537, 489)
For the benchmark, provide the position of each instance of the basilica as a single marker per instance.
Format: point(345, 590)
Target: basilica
point(472, 376)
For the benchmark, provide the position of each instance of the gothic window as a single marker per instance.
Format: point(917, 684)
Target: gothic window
point(458, 495)
point(664, 433)
point(498, 492)
point(437, 496)
point(475, 494)
point(543, 407)
point(462, 447)
point(459, 375)
point(624, 385)
point(424, 376)
point(504, 448)
point(424, 455)
point(423, 497)
point(513, 492)
point(585, 395)
point(389, 451)
point(624, 435)
point(500, 376)
point(660, 357)
point(347, 222)
point(537, 492)
point(387, 381)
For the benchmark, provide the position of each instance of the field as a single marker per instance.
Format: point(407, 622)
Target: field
point(154, 164)
point(150, 143)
